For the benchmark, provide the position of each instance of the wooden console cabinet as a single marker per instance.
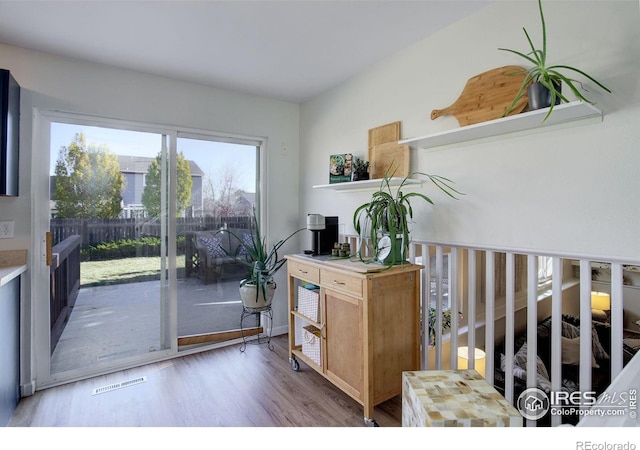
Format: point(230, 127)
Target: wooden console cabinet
point(369, 322)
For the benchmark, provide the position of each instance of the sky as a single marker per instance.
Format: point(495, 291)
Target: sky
point(212, 157)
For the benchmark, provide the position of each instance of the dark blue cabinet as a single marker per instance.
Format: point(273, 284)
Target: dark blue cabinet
point(9, 133)
point(10, 351)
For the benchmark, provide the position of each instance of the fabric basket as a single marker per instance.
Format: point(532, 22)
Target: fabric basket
point(311, 343)
point(308, 303)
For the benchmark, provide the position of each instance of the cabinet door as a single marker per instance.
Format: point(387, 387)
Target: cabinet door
point(343, 342)
point(9, 133)
point(10, 353)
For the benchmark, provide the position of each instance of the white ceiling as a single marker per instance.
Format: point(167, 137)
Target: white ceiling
point(288, 50)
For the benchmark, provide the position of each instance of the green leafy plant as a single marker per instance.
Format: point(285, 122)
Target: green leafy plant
point(389, 212)
point(261, 260)
point(548, 75)
point(360, 169)
point(446, 323)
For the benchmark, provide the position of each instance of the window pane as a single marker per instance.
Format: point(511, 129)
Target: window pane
point(214, 222)
point(96, 191)
point(544, 269)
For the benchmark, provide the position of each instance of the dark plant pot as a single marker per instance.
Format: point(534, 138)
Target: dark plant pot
point(540, 96)
point(360, 176)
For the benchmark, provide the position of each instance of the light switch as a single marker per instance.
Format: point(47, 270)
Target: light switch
point(6, 229)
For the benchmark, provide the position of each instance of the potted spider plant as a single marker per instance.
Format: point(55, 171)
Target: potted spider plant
point(262, 262)
point(384, 220)
point(543, 82)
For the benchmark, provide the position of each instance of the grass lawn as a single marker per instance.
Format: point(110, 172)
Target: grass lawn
point(119, 271)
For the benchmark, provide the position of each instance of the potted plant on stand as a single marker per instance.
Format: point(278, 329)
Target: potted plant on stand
point(262, 262)
point(385, 218)
point(543, 82)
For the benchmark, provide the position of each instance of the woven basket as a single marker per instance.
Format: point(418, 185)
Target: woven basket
point(311, 344)
point(308, 303)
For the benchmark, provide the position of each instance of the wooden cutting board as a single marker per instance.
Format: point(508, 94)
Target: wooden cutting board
point(385, 137)
point(391, 157)
point(487, 96)
point(382, 135)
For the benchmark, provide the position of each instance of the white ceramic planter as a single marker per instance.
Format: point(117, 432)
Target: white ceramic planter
point(248, 296)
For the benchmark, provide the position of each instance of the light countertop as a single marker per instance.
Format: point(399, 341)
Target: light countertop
point(12, 264)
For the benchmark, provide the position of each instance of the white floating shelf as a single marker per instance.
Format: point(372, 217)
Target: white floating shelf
point(530, 120)
point(366, 184)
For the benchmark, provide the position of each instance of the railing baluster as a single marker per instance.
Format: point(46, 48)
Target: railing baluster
point(585, 325)
point(453, 304)
point(426, 300)
point(556, 332)
point(471, 307)
point(532, 325)
point(509, 327)
point(438, 323)
point(412, 253)
point(490, 299)
point(616, 319)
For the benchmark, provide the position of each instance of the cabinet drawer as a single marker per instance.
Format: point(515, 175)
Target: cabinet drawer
point(304, 271)
point(341, 282)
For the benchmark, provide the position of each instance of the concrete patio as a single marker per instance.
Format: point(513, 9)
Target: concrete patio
point(123, 320)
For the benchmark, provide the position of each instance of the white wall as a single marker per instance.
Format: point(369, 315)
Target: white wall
point(54, 83)
point(571, 190)
point(50, 82)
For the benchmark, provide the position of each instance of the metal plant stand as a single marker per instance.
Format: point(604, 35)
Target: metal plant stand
point(265, 338)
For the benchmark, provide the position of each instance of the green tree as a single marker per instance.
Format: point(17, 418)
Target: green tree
point(88, 181)
point(152, 190)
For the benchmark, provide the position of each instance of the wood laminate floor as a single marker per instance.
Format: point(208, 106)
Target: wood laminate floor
point(217, 388)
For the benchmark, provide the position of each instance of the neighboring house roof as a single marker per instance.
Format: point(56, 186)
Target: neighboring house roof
point(136, 164)
point(140, 164)
point(250, 197)
point(195, 170)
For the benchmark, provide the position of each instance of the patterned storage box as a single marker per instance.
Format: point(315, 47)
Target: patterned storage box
point(308, 303)
point(311, 343)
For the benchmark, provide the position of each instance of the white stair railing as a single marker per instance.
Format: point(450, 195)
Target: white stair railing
point(472, 280)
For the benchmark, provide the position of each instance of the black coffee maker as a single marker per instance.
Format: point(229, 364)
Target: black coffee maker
point(325, 233)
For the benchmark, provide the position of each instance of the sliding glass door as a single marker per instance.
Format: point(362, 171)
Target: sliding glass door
point(108, 224)
point(224, 185)
point(132, 220)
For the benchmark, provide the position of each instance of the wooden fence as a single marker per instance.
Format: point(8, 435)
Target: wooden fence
point(94, 231)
